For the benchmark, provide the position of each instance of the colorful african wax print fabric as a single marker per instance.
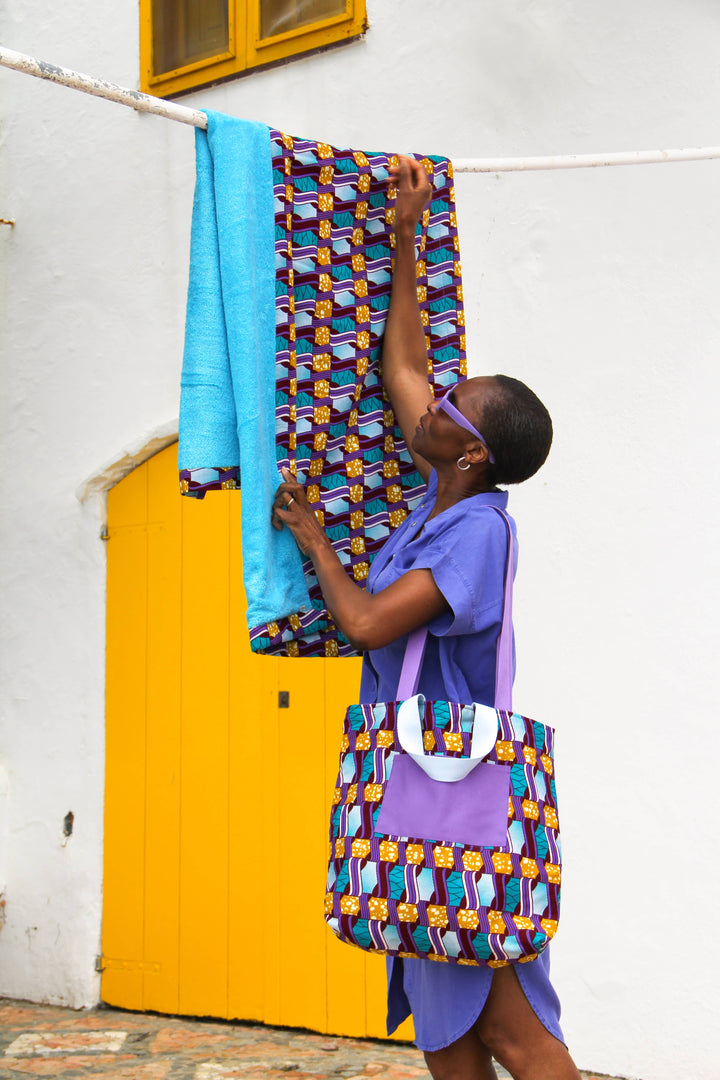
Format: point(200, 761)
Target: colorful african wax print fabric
point(434, 895)
point(334, 428)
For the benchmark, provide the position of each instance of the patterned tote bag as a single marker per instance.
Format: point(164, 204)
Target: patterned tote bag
point(444, 836)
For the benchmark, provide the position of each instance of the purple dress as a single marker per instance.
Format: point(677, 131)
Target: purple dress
point(465, 547)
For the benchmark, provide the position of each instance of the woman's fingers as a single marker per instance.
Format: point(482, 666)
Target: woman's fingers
point(413, 191)
point(278, 509)
point(412, 171)
point(282, 495)
point(290, 507)
point(284, 498)
point(409, 170)
point(289, 494)
point(290, 481)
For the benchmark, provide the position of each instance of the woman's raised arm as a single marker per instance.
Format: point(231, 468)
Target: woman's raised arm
point(404, 356)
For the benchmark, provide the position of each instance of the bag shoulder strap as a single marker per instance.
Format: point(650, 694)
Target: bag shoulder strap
point(504, 661)
point(415, 648)
point(412, 663)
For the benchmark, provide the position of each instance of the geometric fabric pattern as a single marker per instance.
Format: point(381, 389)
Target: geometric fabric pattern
point(195, 482)
point(427, 896)
point(335, 428)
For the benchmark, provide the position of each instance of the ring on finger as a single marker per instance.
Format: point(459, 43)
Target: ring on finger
point(290, 500)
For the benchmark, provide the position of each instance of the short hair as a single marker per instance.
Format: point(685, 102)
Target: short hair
point(518, 430)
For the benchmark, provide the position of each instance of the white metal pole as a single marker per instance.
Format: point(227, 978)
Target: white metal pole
point(172, 111)
point(88, 85)
point(584, 161)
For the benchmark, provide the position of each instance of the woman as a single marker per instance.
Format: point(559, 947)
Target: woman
point(444, 568)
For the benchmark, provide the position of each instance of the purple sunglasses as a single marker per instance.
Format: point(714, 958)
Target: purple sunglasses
point(458, 417)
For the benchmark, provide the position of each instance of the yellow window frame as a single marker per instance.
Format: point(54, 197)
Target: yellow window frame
point(246, 48)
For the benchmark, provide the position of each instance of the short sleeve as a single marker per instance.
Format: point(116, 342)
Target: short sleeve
point(467, 559)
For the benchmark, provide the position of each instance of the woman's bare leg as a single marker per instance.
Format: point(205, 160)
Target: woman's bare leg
point(509, 1029)
point(465, 1059)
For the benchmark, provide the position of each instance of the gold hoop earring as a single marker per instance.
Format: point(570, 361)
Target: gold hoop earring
point(463, 468)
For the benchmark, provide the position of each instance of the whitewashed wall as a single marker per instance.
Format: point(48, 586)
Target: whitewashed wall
point(598, 287)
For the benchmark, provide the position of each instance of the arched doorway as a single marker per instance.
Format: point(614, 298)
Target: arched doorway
point(217, 797)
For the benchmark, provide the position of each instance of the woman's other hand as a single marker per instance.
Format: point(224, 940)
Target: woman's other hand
point(291, 508)
point(413, 192)
point(368, 622)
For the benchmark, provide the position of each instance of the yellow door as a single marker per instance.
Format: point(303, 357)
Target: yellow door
point(217, 799)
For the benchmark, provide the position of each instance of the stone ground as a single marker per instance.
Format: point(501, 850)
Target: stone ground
point(111, 1044)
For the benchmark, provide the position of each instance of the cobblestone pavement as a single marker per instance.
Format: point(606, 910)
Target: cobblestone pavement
point(111, 1044)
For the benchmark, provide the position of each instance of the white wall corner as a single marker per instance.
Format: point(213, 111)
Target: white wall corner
point(113, 471)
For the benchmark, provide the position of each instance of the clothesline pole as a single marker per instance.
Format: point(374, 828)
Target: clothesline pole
point(584, 161)
point(172, 111)
point(99, 88)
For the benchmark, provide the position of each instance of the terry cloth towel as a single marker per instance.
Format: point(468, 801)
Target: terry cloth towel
point(290, 273)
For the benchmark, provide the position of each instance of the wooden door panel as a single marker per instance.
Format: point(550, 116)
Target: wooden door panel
point(123, 943)
point(217, 799)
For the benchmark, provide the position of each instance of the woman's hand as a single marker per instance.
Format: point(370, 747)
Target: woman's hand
point(413, 192)
point(368, 622)
point(291, 508)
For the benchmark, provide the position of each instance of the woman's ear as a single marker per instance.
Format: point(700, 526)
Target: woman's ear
point(477, 453)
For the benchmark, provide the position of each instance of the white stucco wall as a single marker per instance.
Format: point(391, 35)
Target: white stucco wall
point(597, 287)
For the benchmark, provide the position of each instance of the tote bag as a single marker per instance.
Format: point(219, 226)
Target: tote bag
point(444, 835)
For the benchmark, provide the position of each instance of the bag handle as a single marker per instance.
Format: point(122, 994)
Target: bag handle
point(446, 769)
point(415, 648)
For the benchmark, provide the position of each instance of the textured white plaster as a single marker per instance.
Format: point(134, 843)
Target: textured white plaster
point(4, 818)
point(597, 287)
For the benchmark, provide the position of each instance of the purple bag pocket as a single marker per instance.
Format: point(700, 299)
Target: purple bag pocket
point(471, 811)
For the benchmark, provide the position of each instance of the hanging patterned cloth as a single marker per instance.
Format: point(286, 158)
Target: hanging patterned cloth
point(290, 280)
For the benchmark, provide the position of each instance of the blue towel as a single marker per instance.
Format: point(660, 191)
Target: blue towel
point(227, 403)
